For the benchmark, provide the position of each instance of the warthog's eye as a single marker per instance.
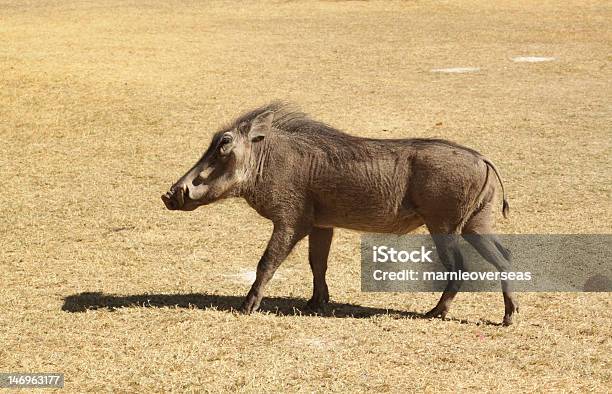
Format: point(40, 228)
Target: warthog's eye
point(225, 145)
point(226, 139)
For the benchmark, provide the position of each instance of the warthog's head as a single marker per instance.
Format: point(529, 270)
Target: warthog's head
point(223, 168)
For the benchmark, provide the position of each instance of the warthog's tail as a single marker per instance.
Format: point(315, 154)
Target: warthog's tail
point(505, 205)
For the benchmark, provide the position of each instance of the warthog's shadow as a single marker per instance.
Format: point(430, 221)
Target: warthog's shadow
point(282, 306)
point(285, 306)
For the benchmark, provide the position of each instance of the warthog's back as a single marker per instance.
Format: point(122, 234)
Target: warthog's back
point(394, 185)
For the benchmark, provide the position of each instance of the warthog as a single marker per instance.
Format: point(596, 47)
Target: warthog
point(307, 178)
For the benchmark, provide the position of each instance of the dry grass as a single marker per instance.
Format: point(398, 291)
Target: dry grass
point(104, 104)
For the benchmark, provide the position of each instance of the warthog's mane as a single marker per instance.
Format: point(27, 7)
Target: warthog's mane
point(309, 135)
point(288, 118)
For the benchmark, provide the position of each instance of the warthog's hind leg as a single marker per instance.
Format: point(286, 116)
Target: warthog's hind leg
point(478, 231)
point(319, 242)
point(491, 249)
point(450, 255)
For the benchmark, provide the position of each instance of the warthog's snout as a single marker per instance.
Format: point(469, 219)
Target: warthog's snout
point(175, 198)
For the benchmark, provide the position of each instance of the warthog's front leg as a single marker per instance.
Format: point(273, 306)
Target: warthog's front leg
point(282, 241)
point(319, 241)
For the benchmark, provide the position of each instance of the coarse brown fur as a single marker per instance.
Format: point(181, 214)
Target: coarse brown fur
point(307, 178)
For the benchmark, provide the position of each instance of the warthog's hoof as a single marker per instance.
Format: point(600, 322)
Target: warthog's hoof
point(317, 305)
point(508, 317)
point(437, 312)
point(250, 305)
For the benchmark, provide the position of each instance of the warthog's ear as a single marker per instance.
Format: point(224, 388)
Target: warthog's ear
point(260, 126)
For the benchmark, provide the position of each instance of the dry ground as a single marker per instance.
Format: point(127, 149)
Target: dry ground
point(104, 104)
